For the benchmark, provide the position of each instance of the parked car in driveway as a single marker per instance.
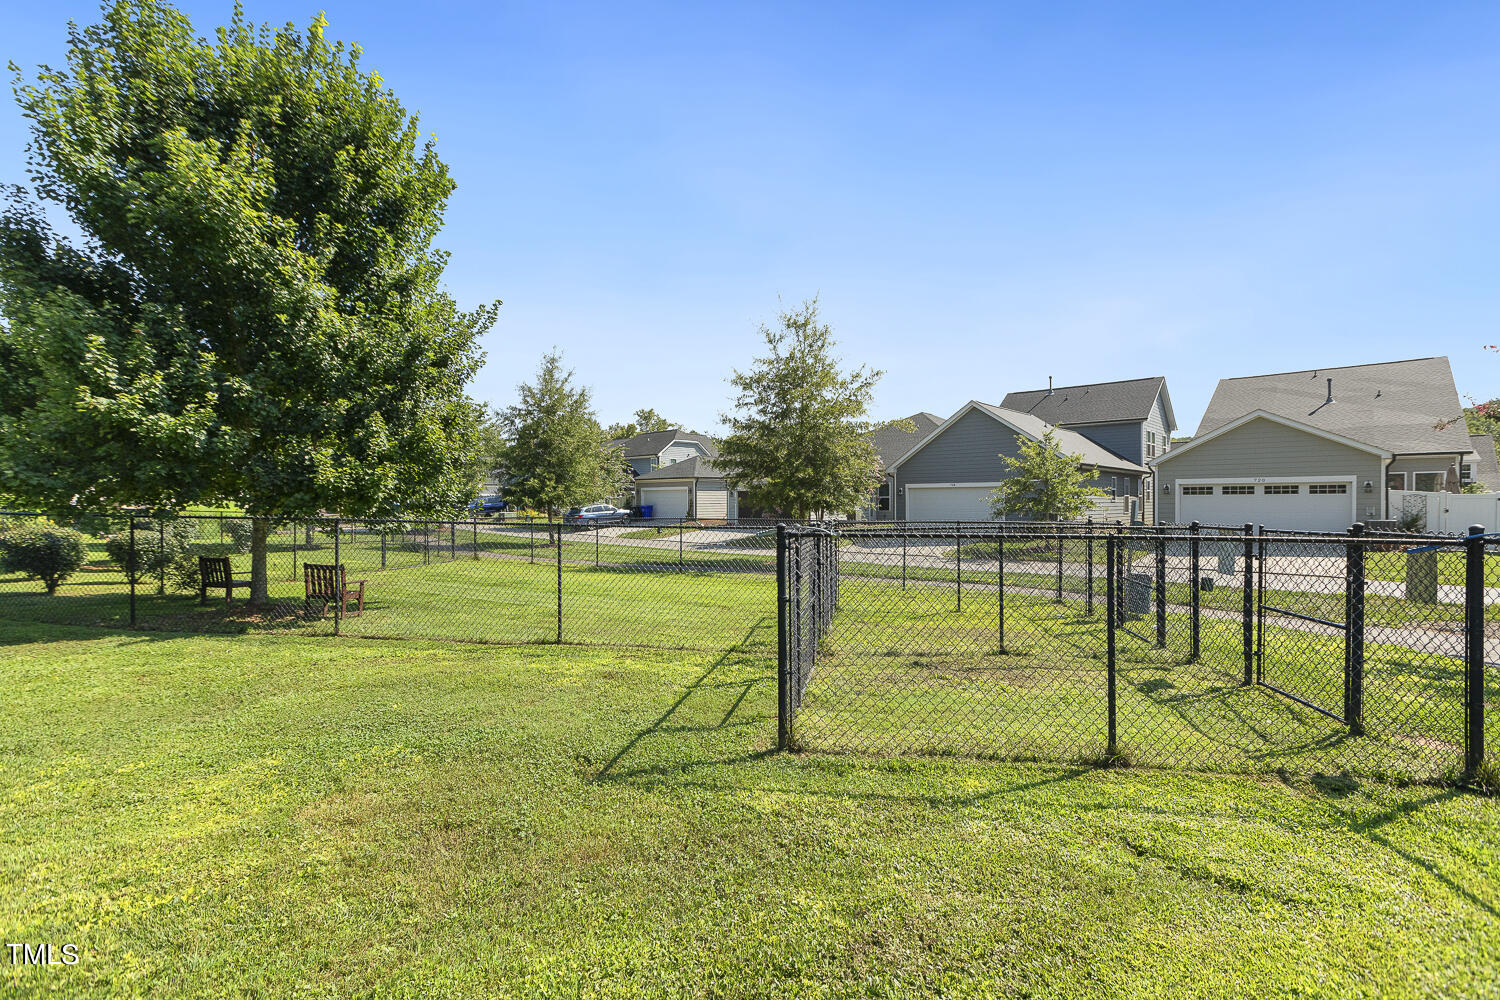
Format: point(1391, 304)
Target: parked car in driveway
point(489, 505)
point(595, 515)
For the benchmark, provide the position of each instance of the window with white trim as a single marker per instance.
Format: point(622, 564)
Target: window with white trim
point(1327, 489)
point(1238, 491)
point(1282, 490)
point(1197, 491)
point(1466, 474)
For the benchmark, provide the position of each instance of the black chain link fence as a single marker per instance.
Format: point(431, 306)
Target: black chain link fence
point(1205, 647)
point(1165, 646)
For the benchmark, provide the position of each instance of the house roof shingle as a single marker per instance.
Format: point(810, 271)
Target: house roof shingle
point(1096, 403)
point(690, 468)
point(891, 442)
point(654, 442)
point(1396, 406)
point(1071, 442)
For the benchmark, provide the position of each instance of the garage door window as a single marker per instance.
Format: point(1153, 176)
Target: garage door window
point(1282, 490)
point(1197, 491)
point(1239, 491)
point(1325, 489)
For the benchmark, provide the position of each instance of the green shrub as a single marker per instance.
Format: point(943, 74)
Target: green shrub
point(238, 533)
point(158, 546)
point(45, 551)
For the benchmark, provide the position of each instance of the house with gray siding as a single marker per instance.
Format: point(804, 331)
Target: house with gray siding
point(1132, 418)
point(949, 475)
point(693, 488)
point(891, 440)
point(651, 450)
point(1321, 448)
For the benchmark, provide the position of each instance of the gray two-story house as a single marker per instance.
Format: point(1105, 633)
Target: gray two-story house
point(950, 474)
point(1132, 418)
point(654, 449)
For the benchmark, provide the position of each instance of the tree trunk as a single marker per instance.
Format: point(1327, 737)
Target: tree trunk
point(260, 531)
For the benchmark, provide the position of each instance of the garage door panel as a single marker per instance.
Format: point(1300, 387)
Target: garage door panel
point(1303, 510)
point(666, 501)
point(948, 503)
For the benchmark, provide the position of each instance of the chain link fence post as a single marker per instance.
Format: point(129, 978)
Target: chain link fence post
point(161, 555)
point(1247, 596)
point(1474, 602)
point(1111, 558)
point(1354, 630)
point(338, 581)
point(559, 581)
point(1196, 588)
point(783, 679)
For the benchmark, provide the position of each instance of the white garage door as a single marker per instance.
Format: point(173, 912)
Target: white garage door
point(666, 501)
point(1300, 506)
point(948, 503)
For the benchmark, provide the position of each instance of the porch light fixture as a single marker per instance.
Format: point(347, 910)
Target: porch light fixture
point(1369, 486)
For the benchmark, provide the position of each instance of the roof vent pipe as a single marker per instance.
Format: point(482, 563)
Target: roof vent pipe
point(1049, 385)
point(1330, 391)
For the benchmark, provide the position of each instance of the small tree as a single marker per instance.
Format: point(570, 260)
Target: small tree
point(1044, 484)
point(48, 552)
point(554, 448)
point(797, 441)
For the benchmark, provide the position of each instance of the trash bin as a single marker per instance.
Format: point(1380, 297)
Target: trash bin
point(1139, 588)
point(1225, 553)
point(646, 510)
point(1422, 577)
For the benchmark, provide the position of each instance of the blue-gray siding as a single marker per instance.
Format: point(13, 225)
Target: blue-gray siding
point(970, 451)
point(1124, 439)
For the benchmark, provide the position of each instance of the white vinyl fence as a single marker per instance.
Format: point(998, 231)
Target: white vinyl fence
point(1449, 513)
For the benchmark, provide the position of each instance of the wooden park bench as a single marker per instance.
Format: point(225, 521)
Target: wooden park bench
point(325, 583)
point(214, 574)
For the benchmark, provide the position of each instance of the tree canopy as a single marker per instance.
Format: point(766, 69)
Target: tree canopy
point(643, 421)
point(1044, 484)
point(254, 312)
point(797, 441)
point(555, 455)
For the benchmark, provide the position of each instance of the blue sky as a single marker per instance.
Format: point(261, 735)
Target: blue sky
point(981, 196)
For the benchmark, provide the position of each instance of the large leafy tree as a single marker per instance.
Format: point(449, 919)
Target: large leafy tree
point(1044, 483)
point(555, 453)
point(253, 313)
point(798, 436)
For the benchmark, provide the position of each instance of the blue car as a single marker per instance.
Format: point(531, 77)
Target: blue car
point(595, 515)
point(489, 505)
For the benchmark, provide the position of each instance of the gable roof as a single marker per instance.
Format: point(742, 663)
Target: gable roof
point(689, 468)
point(655, 442)
point(1275, 418)
point(1487, 466)
point(1071, 442)
point(1395, 406)
point(891, 442)
point(1095, 403)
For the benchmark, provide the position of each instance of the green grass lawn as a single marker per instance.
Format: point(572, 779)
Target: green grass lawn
point(273, 815)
